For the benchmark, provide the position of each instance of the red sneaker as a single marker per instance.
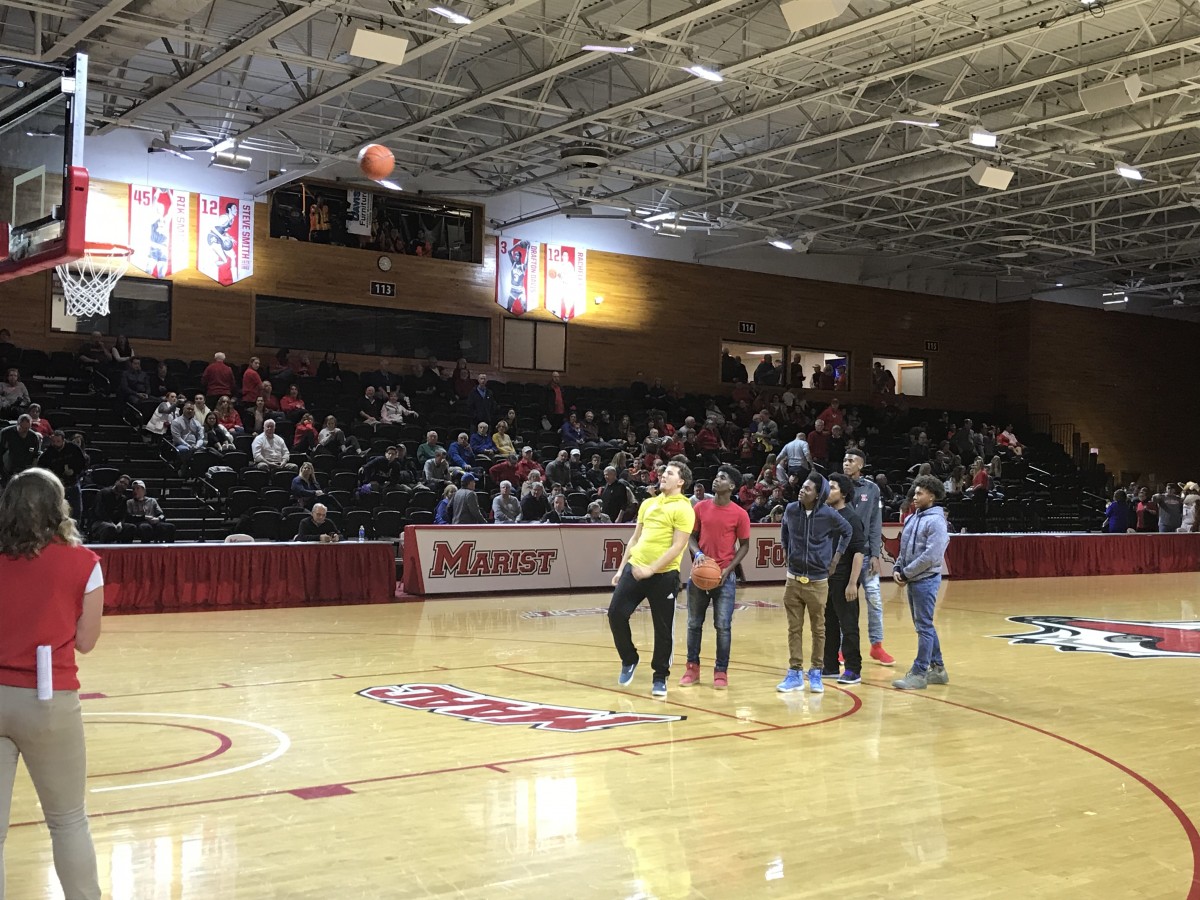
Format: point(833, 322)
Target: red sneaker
point(720, 680)
point(881, 656)
point(691, 675)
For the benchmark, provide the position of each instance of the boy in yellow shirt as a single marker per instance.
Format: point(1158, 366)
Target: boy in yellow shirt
point(649, 570)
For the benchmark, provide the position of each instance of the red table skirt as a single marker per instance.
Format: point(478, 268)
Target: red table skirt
point(976, 556)
point(169, 577)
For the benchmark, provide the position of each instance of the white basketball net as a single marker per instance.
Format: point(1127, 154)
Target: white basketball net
point(88, 281)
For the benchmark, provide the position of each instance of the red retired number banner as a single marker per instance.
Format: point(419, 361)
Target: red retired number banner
point(518, 274)
point(225, 238)
point(158, 224)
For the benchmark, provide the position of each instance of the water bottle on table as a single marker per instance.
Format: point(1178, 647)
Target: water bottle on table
point(362, 533)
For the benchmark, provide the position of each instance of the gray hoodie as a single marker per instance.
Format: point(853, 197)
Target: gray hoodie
point(869, 508)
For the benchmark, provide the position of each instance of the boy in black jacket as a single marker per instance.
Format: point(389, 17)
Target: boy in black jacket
point(841, 611)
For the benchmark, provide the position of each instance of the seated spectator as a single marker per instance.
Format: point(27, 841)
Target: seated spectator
point(461, 381)
point(304, 438)
point(318, 527)
point(396, 409)
point(14, 397)
point(252, 380)
point(94, 353)
point(281, 366)
point(37, 423)
point(530, 480)
point(502, 440)
point(760, 508)
point(955, 482)
point(481, 442)
point(255, 417)
point(328, 368)
point(436, 471)
point(560, 513)
point(266, 393)
point(133, 387)
point(270, 452)
point(383, 379)
point(370, 408)
point(481, 402)
point(292, 405)
point(595, 515)
point(464, 505)
point(229, 417)
point(1007, 440)
point(981, 482)
point(333, 440)
point(595, 472)
point(535, 505)
point(147, 517)
point(506, 509)
point(698, 494)
point(187, 435)
point(571, 432)
point(441, 513)
point(558, 470)
point(121, 351)
point(110, 525)
point(160, 381)
point(504, 470)
point(461, 454)
point(887, 496)
point(216, 436)
point(528, 464)
point(393, 467)
point(305, 487)
point(164, 413)
point(19, 447)
point(429, 449)
point(202, 409)
point(217, 379)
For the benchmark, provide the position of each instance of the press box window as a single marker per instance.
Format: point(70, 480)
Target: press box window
point(139, 308)
point(818, 370)
point(748, 363)
point(892, 375)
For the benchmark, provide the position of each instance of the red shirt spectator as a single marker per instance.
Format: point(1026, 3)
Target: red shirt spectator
point(708, 439)
point(305, 429)
point(526, 465)
point(293, 402)
point(217, 378)
point(832, 415)
point(251, 382)
point(504, 471)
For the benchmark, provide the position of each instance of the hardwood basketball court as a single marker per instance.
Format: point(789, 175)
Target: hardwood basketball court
point(232, 757)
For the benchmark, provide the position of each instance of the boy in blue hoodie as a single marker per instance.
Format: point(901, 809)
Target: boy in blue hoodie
point(814, 536)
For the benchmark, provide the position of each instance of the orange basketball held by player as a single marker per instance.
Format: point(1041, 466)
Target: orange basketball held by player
point(706, 574)
point(376, 161)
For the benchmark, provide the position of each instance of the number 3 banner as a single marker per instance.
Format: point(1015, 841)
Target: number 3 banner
point(158, 224)
point(518, 279)
point(225, 238)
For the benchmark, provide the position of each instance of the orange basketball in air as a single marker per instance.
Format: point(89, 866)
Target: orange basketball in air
point(706, 574)
point(376, 161)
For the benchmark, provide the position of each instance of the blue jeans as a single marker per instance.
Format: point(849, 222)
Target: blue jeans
point(922, 597)
point(870, 585)
point(721, 598)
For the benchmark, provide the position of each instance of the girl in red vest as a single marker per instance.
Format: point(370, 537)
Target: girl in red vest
point(53, 595)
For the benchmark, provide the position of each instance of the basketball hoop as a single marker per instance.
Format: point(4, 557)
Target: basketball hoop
point(88, 281)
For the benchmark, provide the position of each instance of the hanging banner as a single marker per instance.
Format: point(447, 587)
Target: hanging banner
point(566, 280)
point(225, 238)
point(359, 207)
point(518, 281)
point(158, 224)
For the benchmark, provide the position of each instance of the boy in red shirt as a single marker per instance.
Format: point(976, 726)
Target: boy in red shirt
point(722, 533)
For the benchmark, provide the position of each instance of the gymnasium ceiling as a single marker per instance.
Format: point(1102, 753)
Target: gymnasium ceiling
point(799, 141)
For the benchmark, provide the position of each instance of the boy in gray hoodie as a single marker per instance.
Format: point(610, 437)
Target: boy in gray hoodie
point(814, 536)
point(919, 568)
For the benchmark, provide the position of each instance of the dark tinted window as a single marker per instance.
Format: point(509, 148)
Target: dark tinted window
point(139, 308)
point(369, 330)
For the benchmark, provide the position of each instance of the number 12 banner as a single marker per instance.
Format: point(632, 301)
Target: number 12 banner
point(566, 280)
point(225, 238)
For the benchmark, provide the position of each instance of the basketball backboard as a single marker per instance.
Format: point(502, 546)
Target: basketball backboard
point(43, 182)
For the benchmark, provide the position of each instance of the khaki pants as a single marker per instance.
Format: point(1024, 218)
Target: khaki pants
point(48, 734)
point(797, 599)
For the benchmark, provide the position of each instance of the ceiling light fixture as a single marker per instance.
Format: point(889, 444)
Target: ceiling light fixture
point(992, 177)
point(609, 48)
point(916, 120)
point(780, 244)
point(1116, 302)
point(704, 72)
point(228, 159)
point(1126, 171)
point(456, 18)
point(389, 184)
point(661, 217)
point(981, 137)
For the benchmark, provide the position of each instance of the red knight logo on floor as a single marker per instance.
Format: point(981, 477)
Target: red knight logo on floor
point(448, 700)
point(1116, 637)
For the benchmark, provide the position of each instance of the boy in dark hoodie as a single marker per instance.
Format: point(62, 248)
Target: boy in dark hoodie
point(814, 536)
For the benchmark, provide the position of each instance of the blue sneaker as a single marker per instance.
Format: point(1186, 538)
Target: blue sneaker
point(626, 675)
point(659, 688)
point(850, 677)
point(814, 681)
point(793, 681)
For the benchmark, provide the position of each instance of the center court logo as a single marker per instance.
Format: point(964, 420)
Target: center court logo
point(448, 700)
point(1116, 637)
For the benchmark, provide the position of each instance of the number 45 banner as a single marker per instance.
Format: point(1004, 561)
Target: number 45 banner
point(158, 224)
point(225, 238)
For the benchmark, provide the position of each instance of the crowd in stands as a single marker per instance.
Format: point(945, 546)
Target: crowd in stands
point(560, 455)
